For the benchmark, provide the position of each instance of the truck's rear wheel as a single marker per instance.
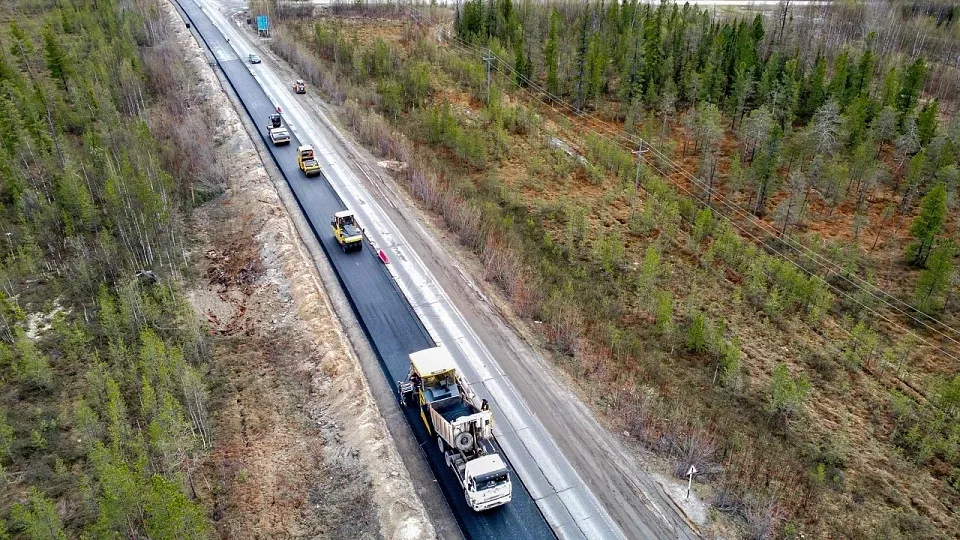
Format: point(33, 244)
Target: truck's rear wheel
point(440, 445)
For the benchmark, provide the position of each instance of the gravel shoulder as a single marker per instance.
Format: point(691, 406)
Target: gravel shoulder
point(302, 450)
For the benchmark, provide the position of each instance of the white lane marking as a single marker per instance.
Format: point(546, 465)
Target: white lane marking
point(410, 269)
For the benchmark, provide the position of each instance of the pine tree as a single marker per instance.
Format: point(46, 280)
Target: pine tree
point(816, 91)
point(740, 91)
point(838, 83)
point(911, 85)
point(471, 21)
point(57, 61)
point(551, 54)
point(519, 64)
point(927, 122)
point(891, 85)
point(39, 520)
point(855, 121)
point(883, 128)
point(864, 74)
point(927, 225)
point(579, 81)
point(170, 515)
point(935, 280)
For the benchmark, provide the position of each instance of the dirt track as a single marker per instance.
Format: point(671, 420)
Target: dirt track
point(301, 448)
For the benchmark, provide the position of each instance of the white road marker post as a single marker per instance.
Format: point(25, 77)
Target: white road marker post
point(690, 472)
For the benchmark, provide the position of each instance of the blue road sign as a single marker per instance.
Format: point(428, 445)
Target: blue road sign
point(262, 23)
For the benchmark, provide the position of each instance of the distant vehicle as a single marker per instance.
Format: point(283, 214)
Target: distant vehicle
point(463, 427)
point(308, 163)
point(349, 235)
point(300, 87)
point(254, 59)
point(279, 136)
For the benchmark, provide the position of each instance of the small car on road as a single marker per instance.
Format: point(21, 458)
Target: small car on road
point(254, 59)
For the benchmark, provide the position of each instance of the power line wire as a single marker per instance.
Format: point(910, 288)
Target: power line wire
point(625, 137)
point(829, 265)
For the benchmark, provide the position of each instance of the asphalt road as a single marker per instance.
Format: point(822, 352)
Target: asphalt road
point(387, 317)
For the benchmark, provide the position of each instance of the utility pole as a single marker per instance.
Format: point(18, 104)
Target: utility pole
point(636, 179)
point(489, 60)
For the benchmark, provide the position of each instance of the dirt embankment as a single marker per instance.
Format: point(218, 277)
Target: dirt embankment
point(301, 449)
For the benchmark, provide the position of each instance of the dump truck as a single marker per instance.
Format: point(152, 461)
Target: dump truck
point(462, 425)
point(308, 163)
point(300, 87)
point(348, 234)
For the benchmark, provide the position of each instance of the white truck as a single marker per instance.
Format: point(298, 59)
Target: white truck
point(463, 427)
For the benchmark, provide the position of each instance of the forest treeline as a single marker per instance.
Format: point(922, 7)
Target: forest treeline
point(102, 408)
point(814, 126)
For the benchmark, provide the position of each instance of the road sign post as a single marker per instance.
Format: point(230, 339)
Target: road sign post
point(690, 472)
point(263, 26)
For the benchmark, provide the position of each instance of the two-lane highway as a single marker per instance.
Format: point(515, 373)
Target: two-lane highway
point(387, 318)
point(559, 493)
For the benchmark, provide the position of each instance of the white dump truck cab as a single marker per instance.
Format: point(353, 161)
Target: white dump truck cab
point(487, 482)
point(462, 424)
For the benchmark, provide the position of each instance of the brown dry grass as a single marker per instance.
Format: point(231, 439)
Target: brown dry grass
point(848, 409)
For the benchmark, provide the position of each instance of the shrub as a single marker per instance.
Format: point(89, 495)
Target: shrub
point(702, 225)
point(664, 313)
point(611, 156)
point(755, 283)
point(565, 324)
point(470, 147)
point(33, 366)
point(787, 393)
point(520, 120)
point(649, 272)
point(378, 61)
point(439, 125)
point(819, 300)
point(774, 305)
point(730, 370)
point(416, 84)
point(861, 347)
point(699, 334)
point(668, 219)
point(609, 250)
point(391, 97)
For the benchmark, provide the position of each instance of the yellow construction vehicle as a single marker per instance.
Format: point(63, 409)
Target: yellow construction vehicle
point(349, 235)
point(308, 163)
